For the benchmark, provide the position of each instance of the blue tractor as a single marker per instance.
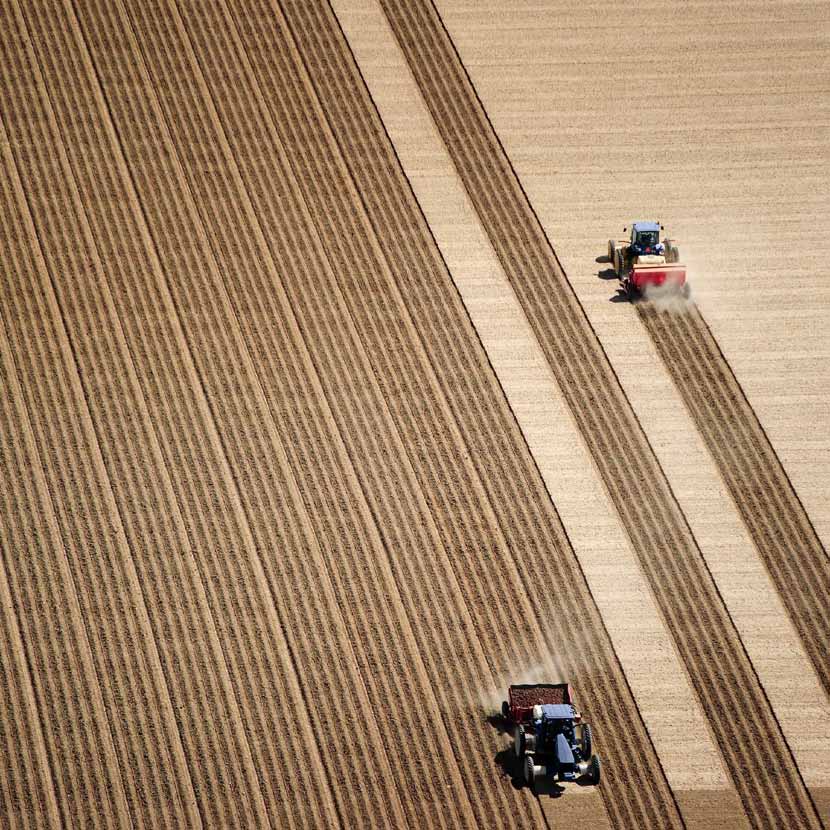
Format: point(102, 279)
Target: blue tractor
point(551, 741)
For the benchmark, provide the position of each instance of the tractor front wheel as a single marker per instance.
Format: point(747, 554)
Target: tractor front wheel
point(612, 249)
point(505, 710)
point(519, 741)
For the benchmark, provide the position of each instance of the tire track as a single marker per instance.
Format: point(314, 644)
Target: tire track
point(307, 441)
point(275, 518)
point(466, 379)
point(754, 750)
point(28, 785)
point(762, 492)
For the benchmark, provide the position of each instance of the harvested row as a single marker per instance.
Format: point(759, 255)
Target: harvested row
point(263, 573)
point(393, 675)
point(272, 224)
point(110, 719)
point(27, 794)
point(776, 519)
point(40, 611)
point(755, 752)
point(525, 515)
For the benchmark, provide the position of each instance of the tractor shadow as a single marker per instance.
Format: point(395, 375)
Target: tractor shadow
point(609, 274)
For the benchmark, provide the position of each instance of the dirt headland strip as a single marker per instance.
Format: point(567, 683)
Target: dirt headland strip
point(754, 750)
point(398, 291)
point(777, 521)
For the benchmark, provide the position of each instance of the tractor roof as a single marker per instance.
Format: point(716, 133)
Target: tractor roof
point(646, 226)
point(557, 711)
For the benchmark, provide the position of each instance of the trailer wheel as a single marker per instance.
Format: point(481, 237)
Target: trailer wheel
point(594, 770)
point(519, 741)
point(505, 710)
point(587, 740)
point(529, 771)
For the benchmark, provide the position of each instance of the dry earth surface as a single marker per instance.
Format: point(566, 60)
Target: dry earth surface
point(321, 420)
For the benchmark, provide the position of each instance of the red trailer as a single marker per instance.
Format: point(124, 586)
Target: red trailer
point(522, 697)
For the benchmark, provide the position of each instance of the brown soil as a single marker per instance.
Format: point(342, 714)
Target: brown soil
point(271, 530)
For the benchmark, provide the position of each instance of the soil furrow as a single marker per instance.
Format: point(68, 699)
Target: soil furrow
point(28, 789)
point(182, 626)
point(772, 790)
point(275, 517)
point(44, 557)
point(766, 501)
point(217, 193)
point(417, 266)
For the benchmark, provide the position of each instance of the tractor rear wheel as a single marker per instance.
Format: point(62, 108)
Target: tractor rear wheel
point(529, 771)
point(594, 770)
point(519, 741)
point(587, 740)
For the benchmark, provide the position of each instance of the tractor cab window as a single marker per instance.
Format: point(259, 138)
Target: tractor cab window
point(647, 239)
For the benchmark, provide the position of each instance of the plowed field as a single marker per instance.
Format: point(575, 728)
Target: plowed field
point(278, 522)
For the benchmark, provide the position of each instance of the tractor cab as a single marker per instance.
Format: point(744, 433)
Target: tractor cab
point(645, 239)
point(553, 725)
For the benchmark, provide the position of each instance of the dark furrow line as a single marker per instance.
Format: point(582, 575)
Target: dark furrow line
point(767, 503)
point(501, 204)
point(346, 137)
